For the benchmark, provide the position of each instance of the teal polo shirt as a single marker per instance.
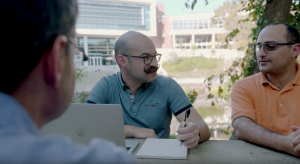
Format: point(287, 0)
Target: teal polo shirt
point(152, 105)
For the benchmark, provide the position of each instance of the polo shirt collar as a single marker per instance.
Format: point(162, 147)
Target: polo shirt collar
point(296, 80)
point(144, 86)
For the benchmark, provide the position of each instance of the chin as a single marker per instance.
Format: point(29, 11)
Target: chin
point(149, 80)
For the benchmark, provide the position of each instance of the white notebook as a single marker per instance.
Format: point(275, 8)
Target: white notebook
point(163, 149)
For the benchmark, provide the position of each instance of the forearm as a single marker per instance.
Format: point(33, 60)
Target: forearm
point(204, 131)
point(129, 130)
point(250, 131)
point(137, 132)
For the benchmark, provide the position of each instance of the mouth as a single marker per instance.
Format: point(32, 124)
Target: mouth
point(264, 61)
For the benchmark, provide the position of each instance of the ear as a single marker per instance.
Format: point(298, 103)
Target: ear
point(54, 61)
point(122, 61)
point(295, 50)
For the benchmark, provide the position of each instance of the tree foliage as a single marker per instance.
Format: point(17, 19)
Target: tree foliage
point(261, 12)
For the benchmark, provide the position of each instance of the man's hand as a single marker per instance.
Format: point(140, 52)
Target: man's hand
point(294, 141)
point(189, 134)
point(136, 132)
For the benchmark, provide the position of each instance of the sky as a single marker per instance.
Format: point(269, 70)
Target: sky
point(177, 7)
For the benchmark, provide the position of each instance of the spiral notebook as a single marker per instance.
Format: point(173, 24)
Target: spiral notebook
point(162, 149)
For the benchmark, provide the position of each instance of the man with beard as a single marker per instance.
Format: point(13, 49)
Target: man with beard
point(266, 106)
point(39, 87)
point(148, 100)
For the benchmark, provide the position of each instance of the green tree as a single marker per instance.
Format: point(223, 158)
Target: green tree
point(262, 12)
point(229, 16)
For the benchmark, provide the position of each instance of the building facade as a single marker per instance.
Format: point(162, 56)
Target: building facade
point(100, 23)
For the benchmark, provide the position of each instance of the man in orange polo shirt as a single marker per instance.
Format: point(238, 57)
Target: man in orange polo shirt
point(266, 106)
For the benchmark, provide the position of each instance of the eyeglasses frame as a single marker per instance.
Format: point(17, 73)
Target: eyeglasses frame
point(143, 57)
point(263, 45)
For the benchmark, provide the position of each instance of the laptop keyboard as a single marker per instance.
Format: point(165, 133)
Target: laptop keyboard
point(128, 148)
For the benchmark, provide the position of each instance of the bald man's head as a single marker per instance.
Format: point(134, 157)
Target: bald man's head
point(125, 43)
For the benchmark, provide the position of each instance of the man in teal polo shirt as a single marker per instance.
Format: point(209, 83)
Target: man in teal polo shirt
point(148, 100)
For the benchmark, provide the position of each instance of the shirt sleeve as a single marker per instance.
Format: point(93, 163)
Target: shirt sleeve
point(57, 149)
point(242, 102)
point(177, 100)
point(99, 94)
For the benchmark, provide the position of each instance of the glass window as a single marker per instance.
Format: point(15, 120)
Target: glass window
point(97, 14)
point(175, 25)
point(98, 61)
point(101, 45)
point(186, 24)
point(205, 24)
point(196, 24)
point(191, 24)
point(203, 38)
point(200, 24)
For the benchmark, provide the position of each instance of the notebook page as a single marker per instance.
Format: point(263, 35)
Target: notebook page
point(163, 149)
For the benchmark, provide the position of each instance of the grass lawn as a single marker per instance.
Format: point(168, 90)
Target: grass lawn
point(192, 67)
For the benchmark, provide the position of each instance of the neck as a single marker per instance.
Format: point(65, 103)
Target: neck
point(131, 83)
point(36, 99)
point(280, 80)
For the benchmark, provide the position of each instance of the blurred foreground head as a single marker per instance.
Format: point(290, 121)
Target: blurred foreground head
point(37, 47)
point(29, 28)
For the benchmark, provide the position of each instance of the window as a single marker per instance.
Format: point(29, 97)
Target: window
point(95, 14)
point(175, 25)
point(203, 38)
point(200, 24)
point(191, 25)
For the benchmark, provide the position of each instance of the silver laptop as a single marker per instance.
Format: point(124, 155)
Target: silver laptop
point(82, 122)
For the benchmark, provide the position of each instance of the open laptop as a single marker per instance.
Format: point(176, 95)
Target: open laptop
point(82, 122)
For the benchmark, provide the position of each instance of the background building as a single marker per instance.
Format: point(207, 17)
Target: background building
point(100, 23)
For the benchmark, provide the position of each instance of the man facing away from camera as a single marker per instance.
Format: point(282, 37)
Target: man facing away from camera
point(148, 100)
point(38, 76)
point(266, 106)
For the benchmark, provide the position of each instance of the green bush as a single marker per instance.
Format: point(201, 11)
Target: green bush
point(190, 63)
point(80, 97)
point(210, 111)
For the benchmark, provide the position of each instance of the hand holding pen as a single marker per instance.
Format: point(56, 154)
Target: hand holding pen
point(187, 114)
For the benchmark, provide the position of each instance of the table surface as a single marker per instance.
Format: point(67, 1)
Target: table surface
point(226, 151)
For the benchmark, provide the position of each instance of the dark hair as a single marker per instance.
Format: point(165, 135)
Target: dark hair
point(28, 28)
point(292, 35)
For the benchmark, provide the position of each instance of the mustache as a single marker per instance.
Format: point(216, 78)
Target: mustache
point(151, 69)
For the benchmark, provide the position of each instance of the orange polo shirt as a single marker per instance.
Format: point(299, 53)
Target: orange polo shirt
point(256, 98)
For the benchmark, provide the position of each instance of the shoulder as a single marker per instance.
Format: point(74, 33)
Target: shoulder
point(97, 150)
point(247, 86)
point(250, 81)
point(110, 80)
point(164, 80)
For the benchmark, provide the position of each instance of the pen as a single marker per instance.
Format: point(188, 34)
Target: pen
point(187, 114)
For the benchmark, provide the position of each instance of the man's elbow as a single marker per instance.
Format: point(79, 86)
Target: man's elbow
point(239, 128)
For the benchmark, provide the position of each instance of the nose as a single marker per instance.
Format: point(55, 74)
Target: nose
point(261, 53)
point(154, 62)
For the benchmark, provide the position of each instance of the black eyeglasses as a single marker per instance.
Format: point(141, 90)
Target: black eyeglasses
point(148, 58)
point(268, 46)
point(78, 50)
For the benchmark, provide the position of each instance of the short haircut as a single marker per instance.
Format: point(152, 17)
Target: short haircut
point(121, 47)
point(29, 28)
point(292, 35)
